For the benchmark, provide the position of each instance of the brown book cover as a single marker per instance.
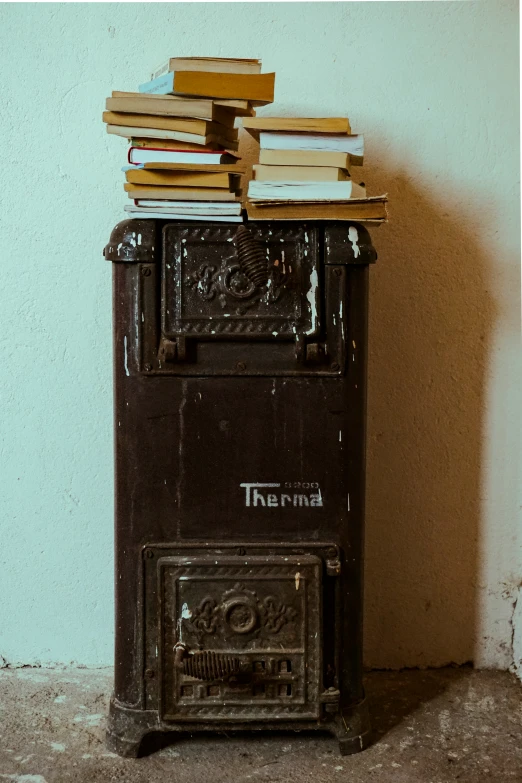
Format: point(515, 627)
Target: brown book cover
point(177, 193)
point(208, 64)
point(371, 209)
point(341, 160)
point(299, 173)
point(297, 124)
point(195, 179)
point(129, 132)
point(251, 87)
point(208, 168)
point(184, 125)
point(172, 144)
point(171, 106)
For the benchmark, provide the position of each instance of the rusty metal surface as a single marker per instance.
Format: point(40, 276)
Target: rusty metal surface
point(215, 288)
point(132, 241)
point(348, 243)
point(238, 458)
point(263, 610)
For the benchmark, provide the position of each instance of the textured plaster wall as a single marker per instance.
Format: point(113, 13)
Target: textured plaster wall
point(434, 87)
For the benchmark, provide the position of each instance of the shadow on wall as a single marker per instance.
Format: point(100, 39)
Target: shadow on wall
point(430, 317)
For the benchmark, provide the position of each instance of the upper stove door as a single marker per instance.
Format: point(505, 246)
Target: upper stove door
point(239, 283)
point(235, 299)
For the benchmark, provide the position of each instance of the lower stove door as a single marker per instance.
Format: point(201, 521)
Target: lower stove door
point(239, 637)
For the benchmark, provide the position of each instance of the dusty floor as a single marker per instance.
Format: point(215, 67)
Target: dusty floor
point(431, 727)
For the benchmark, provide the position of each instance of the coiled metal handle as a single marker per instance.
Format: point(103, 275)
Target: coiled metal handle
point(206, 664)
point(252, 257)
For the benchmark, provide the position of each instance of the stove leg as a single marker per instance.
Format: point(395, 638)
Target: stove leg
point(126, 729)
point(122, 746)
point(353, 729)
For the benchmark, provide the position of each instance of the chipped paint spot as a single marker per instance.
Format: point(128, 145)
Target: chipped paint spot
point(312, 301)
point(348, 501)
point(297, 579)
point(139, 239)
point(59, 747)
point(125, 364)
point(186, 614)
point(340, 436)
point(60, 699)
point(353, 236)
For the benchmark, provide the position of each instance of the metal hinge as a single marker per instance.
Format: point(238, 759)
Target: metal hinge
point(330, 700)
point(172, 350)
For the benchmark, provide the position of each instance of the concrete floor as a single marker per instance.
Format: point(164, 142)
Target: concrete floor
point(430, 726)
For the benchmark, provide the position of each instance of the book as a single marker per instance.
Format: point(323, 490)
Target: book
point(208, 64)
point(252, 87)
point(297, 124)
point(208, 168)
point(238, 106)
point(196, 179)
point(183, 125)
point(300, 173)
point(204, 207)
point(170, 106)
point(173, 193)
point(172, 144)
point(304, 191)
point(154, 133)
point(305, 158)
point(161, 155)
point(366, 210)
point(241, 107)
point(354, 145)
point(170, 215)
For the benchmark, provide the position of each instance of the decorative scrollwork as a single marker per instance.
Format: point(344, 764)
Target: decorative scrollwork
point(241, 611)
point(205, 617)
point(237, 280)
point(204, 280)
point(275, 614)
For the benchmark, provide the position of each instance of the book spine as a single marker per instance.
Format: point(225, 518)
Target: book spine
point(163, 68)
point(163, 85)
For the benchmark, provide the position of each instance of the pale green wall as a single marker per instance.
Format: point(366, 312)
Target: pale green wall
point(434, 87)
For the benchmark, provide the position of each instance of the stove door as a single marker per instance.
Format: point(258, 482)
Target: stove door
point(240, 637)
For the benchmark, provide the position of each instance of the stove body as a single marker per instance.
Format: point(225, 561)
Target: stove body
point(240, 390)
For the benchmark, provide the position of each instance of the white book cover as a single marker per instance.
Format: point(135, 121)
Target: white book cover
point(304, 191)
point(309, 141)
point(170, 215)
point(219, 207)
point(144, 155)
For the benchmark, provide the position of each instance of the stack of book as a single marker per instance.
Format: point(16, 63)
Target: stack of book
point(182, 160)
point(304, 171)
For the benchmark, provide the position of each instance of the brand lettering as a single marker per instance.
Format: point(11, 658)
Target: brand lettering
point(256, 495)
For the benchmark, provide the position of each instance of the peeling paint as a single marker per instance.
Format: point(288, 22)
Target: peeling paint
point(312, 301)
point(353, 236)
point(125, 364)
